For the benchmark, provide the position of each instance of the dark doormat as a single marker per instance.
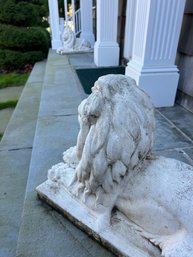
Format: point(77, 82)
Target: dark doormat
point(89, 76)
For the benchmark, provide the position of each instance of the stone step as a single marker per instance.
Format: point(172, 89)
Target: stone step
point(43, 231)
point(15, 154)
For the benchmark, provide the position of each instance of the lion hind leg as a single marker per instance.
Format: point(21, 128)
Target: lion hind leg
point(178, 244)
point(104, 218)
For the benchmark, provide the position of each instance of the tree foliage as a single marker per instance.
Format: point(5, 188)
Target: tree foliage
point(22, 32)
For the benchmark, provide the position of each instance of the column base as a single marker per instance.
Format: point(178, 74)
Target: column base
point(89, 37)
point(159, 83)
point(56, 44)
point(106, 54)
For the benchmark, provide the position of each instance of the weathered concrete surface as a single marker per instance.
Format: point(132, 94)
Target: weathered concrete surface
point(14, 172)
point(21, 127)
point(180, 154)
point(168, 135)
point(189, 152)
point(14, 93)
point(15, 155)
point(174, 133)
point(44, 232)
point(63, 99)
point(37, 74)
point(85, 60)
point(181, 118)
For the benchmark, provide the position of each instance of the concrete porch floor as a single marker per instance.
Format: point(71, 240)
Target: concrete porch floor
point(28, 227)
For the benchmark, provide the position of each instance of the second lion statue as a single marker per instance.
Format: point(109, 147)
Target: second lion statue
point(70, 43)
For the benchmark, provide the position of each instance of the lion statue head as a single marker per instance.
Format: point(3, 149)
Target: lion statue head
point(68, 38)
point(116, 134)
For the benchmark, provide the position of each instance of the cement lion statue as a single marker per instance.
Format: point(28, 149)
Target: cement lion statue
point(71, 43)
point(112, 166)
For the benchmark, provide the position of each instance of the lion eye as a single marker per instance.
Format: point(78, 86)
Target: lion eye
point(92, 119)
point(94, 116)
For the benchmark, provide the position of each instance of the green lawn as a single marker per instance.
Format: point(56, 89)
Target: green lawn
point(8, 104)
point(1, 135)
point(13, 79)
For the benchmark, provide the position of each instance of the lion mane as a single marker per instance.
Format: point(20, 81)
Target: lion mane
point(116, 133)
point(68, 38)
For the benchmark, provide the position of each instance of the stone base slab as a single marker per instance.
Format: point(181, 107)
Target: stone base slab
point(121, 237)
point(75, 52)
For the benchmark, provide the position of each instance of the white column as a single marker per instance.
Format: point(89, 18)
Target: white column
point(129, 28)
point(66, 11)
point(87, 21)
point(106, 48)
point(54, 23)
point(156, 35)
point(73, 13)
point(61, 25)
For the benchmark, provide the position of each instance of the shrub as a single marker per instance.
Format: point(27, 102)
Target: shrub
point(22, 39)
point(25, 38)
point(22, 13)
point(11, 60)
